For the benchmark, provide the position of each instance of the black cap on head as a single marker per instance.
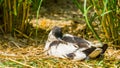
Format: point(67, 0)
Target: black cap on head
point(57, 32)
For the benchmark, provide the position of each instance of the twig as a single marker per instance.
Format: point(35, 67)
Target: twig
point(1, 26)
point(86, 65)
point(23, 34)
point(15, 44)
point(20, 63)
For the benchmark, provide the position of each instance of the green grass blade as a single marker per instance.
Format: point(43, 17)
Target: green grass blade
point(106, 12)
point(40, 3)
point(88, 22)
point(78, 5)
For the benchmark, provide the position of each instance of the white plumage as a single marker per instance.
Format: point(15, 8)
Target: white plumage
point(71, 47)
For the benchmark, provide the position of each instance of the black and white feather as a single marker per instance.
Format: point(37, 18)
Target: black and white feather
point(72, 47)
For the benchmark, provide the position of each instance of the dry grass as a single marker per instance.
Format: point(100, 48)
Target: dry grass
point(17, 54)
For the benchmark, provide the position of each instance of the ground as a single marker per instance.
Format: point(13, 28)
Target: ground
point(26, 53)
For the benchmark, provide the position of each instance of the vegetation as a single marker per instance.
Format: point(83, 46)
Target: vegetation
point(15, 16)
point(107, 13)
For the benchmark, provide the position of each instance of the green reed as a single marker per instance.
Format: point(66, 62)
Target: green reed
point(107, 13)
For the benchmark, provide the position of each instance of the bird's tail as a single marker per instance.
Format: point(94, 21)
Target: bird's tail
point(96, 52)
point(104, 48)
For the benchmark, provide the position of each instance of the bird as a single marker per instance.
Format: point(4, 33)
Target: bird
point(96, 50)
point(71, 47)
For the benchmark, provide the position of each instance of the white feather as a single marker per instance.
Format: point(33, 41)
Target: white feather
point(79, 55)
point(61, 50)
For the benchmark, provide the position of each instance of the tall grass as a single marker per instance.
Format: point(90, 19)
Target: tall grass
point(107, 12)
point(15, 14)
point(40, 3)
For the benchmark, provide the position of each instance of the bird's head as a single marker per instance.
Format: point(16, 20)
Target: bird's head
point(55, 33)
